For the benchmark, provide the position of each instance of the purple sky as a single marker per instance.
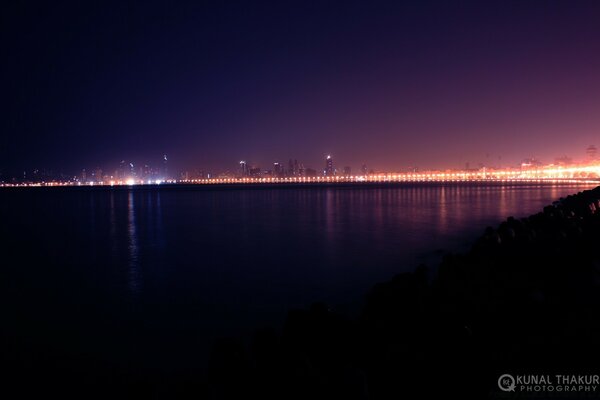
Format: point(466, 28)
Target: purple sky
point(392, 85)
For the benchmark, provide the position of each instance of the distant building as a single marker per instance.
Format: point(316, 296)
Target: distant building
point(165, 167)
point(243, 169)
point(98, 175)
point(122, 171)
point(146, 171)
point(278, 171)
point(329, 171)
point(364, 169)
point(347, 171)
point(254, 172)
point(301, 170)
point(293, 168)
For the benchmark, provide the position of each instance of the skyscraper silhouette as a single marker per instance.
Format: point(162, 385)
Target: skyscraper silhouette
point(329, 171)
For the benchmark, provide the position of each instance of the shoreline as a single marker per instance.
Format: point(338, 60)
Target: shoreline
point(319, 185)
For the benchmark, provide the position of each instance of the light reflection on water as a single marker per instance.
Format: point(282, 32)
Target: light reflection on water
point(331, 235)
point(133, 261)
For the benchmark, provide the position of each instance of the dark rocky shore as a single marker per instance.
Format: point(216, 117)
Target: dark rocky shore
point(524, 299)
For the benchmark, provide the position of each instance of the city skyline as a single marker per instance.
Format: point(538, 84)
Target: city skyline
point(126, 172)
point(390, 84)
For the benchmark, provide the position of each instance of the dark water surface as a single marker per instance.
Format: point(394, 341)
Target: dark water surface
point(146, 278)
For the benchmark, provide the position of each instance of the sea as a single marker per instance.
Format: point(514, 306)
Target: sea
point(144, 279)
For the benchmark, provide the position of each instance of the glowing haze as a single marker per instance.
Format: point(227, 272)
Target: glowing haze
point(393, 85)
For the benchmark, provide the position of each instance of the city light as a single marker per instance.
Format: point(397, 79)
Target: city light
point(550, 173)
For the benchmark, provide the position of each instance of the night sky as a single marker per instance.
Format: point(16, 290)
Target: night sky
point(389, 84)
